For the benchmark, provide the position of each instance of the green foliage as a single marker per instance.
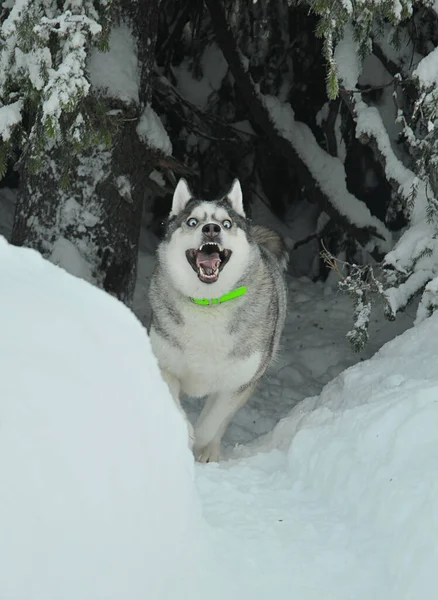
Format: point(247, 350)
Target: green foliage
point(44, 46)
point(332, 84)
point(364, 17)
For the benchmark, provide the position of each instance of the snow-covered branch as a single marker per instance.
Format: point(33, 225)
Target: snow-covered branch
point(328, 171)
point(414, 259)
point(295, 142)
point(51, 77)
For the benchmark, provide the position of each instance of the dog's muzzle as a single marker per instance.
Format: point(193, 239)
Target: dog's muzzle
point(208, 260)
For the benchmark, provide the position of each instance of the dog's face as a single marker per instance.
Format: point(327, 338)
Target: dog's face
point(206, 249)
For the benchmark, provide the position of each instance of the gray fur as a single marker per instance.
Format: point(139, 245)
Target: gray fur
point(231, 339)
point(272, 241)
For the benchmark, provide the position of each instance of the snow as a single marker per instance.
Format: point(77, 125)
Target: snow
point(116, 72)
point(336, 500)
point(9, 24)
point(369, 124)
point(374, 74)
point(33, 62)
point(98, 497)
point(10, 115)
point(66, 255)
point(101, 499)
point(327, 170)
point(346, 56)
point(124, 187)
point(428, 302)
point(151, 131)
point(427, 70)
point(415, 253)
point(415, 245)
point(157, 177)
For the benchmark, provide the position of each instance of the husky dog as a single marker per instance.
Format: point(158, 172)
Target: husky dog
point(218, 298)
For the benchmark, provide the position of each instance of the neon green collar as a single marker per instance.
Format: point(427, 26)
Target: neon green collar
point(208, 301)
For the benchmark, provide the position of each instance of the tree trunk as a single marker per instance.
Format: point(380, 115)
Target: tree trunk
point(92, 227)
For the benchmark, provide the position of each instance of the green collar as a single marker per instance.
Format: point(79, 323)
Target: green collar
point(208, 301)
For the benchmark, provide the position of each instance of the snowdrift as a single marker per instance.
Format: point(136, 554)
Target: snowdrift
point(369, 446)
point(98, 498)
point(363, 455)
point(97, 494)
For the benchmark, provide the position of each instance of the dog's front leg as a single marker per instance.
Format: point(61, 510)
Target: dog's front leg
point(218, 411)
point(175, 389)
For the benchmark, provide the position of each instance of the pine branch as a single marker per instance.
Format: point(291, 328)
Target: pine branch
point(361, 284)
point(261, 117)
point(398, 73)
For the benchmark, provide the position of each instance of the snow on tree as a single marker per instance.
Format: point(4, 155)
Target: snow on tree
point(361, 143)
point(68, 110)
point(43, 72)
point(322, 109)
point(411, 169)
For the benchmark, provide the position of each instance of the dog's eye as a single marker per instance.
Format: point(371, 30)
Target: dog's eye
point(226, 224)
point(192, 222)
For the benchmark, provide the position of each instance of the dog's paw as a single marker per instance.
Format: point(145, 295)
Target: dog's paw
point(210, 453)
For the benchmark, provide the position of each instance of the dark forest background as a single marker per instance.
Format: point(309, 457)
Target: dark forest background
point(91, 166)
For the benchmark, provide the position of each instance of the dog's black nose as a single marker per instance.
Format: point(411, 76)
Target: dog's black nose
point(211, 230)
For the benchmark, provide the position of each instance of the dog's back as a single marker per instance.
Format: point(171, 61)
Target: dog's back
point(272, 241)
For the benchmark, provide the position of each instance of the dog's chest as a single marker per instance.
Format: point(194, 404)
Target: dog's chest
point(207, 359)
point(206, 328)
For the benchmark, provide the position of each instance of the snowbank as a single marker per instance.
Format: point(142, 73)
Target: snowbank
point(356, 488)
point(370, 448)
point(98, 500)
point(97, 494)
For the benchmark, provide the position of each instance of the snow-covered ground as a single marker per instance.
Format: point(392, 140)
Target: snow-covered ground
point(100, 494)
point(339, 502)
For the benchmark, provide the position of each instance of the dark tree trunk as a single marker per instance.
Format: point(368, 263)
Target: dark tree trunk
point(92, 227)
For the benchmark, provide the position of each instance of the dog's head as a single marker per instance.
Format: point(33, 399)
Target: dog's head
point(206, 248)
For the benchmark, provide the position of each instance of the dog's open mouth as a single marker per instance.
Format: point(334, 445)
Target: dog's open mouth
point(208, 261)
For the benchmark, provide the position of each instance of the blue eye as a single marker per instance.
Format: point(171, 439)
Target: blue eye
point(192, 222)
point(226, 224)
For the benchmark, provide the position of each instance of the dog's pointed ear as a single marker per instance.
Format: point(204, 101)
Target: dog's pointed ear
point(236, 199)
point(181, 196)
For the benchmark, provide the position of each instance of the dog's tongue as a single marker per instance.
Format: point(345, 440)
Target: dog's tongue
point(209, 262)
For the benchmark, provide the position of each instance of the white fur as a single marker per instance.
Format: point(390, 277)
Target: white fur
point(236, 198)
point(202, 364)
point(213, 421)
point(181, 196)
point(199, 372)
point(184, 278)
